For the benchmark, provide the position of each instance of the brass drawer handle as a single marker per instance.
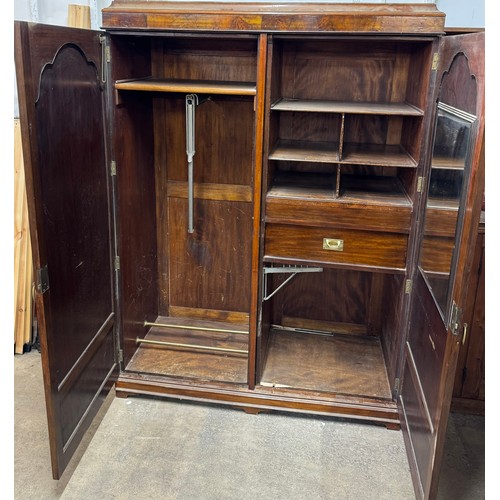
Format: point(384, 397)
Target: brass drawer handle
point(333, 244)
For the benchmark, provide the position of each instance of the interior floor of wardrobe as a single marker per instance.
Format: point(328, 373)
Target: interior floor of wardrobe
point(335, 363)
point(196, 362)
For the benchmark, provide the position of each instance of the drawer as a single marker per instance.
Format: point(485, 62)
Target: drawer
point(336, 246)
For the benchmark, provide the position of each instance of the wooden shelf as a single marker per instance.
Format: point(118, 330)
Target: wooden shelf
point(365, 108)
point(377, 155)
point(316, 152)
point(188, 86)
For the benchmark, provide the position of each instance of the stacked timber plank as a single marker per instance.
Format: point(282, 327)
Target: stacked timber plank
point(79, 16)
point(23, 266)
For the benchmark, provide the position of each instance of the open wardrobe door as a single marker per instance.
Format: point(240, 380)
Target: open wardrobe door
point(450, 214)
point(61, 102)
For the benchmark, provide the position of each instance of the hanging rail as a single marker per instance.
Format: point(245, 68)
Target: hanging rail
point(191, 102)
point(190, 346)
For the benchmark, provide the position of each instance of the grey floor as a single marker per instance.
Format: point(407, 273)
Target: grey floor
point(142, 448)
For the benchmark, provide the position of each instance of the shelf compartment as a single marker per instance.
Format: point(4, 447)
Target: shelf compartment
point(376, 249)
point(188, 86)
point(341, 364)
point(305, 151)
point(365, 108)
point(371, 189)
point(303, 186)
point(383, 155)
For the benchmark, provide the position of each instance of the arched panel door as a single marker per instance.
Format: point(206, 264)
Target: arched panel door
point(61, 97)
point(450, 214)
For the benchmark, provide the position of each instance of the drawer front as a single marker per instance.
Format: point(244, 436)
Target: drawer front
point(365, 248)
point(347, 215)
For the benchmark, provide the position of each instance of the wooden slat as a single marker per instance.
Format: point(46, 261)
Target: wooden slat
point(29, 304)
point(196, 86)
point(79, 16)
point(365, 108)
point(23, 266)
point(18, 209)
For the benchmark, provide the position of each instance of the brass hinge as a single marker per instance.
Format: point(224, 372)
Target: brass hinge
point(42, 280)
point(435, 61)
point(113, 168)
point(117, 263)
point(408, 286)
point(455, 318)
point(420, 184)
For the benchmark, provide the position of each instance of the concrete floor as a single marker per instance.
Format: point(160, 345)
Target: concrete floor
point(142, 448)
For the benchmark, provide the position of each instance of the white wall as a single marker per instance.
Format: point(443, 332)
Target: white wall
point(56, 11)
point(463, 13)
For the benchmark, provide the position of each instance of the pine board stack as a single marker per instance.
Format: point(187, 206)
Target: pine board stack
point(79, 16)
point(23, 265)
